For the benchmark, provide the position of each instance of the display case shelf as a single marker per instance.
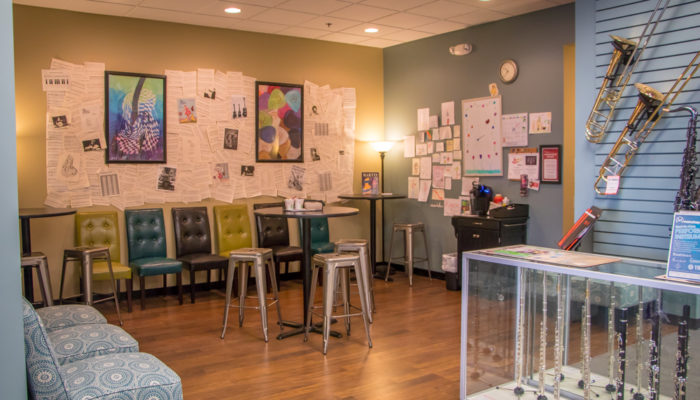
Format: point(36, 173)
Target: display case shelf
point(513, 292)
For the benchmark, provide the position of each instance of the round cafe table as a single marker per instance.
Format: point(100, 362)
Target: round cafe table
point(372, 198)
point(305, 218)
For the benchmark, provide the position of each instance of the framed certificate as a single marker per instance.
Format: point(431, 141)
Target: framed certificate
point(550, 163)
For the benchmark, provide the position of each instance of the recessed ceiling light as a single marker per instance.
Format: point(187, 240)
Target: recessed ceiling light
point(232, 10)
point(371, 30)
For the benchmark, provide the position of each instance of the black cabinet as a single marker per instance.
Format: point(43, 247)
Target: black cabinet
point(474, 233)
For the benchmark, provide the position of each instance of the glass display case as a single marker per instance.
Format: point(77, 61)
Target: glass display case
point(543, 323)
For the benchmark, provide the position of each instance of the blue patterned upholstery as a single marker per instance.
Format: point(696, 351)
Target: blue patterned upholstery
point(125, 376)
point(84, 341)
point(65, 316)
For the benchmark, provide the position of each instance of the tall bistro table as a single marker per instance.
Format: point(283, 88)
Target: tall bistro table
point(25, 215)
point(305, 218)
point(372, 198)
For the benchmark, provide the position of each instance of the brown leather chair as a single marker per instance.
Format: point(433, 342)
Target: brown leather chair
point(273, 233)
point(193, 244)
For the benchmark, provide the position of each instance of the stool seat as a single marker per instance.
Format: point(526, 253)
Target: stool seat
point(39, 261)
point(352, 241)
point(82, 250)
point(260, 258)
point(336, 266)
point(409, 260)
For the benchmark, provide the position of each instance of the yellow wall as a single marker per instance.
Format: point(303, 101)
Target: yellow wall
point(144, 46)
point(569, 140)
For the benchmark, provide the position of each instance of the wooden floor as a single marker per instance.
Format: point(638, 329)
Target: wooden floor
point(415, 355)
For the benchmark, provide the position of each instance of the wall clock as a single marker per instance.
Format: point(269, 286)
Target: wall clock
point(508, 71)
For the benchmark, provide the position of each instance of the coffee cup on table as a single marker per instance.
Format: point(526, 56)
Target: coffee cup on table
point(298, 204)
point(288, 204)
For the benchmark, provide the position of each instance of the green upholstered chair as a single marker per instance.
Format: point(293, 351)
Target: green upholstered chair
point(232, 228)
point(233, 232)
point(102, 229)
point(320, 234)
point(145, 232)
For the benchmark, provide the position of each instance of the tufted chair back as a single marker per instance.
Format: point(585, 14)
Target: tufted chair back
point(98, 229)
point(42, 367)
point(319, 230)
point(192, 234)
point(272, 231)
point(145, 232)
point(232, 228)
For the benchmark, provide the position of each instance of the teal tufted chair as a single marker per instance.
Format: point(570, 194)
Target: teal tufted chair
point(320, 234)
point(145, 232)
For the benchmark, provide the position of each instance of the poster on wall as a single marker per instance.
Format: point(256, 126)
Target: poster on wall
point(135, 118)
point(481, 123)
point(279, 116)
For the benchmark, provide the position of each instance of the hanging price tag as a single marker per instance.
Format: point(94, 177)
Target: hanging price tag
point(613, 183)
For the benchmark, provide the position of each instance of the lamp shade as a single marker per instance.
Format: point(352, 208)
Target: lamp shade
point(383, 146)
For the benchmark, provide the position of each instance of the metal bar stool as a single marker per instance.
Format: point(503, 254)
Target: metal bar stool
point(39, 261)
point(85, 255)
point(332, 263)
point(360, 246)
point(409, 260)
point(260, 258)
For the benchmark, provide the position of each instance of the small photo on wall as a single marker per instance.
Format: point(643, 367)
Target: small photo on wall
point(185, 111)
point(166, 179)
point(92, 145)
point(220, 172)
point(247, 170)
point(231, 139)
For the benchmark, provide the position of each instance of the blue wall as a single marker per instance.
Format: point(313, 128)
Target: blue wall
point(636, 221)
point(12, 375)
point(423, 74)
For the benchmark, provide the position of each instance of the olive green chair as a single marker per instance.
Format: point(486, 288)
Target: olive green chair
point(102, 229)
point(233, 232)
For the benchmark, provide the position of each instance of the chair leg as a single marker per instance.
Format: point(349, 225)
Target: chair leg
point(275, 294)
point(345, 282)
point(63, 275)
point(408, 255)
point(361, 274)
point(208, 280)
point(129, 290)
point(114, 286)
point(312, 292)
point(192, 284)
point(427, 254)
point(45, 282)
point(142, 283)
point(268, 278)
point(229, 288)
point(243, 288)
point(388, 265)
point(178, 278)
point(165, 285)
point(329, 284)
point(260, 283)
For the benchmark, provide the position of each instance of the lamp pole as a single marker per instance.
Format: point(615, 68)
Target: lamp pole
point(381, 156)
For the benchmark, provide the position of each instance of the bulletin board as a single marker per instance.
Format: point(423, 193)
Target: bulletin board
point(210, 120)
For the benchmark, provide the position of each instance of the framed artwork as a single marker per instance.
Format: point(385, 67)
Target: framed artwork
point(279, 122)
point(550, 163)
point(134, 118)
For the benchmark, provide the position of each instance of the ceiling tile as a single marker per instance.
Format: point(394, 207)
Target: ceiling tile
point(343, 38)
point(313, 6)
point(337, 24)
point(278, 16)
point(406, 35)
point(175, 5)
point(398, 5)
point(442, 9)
point(302, 32)
point(261, 3)
point(522, 7)
point(381, 43)
point(479, 17)
point(360, 30)
point(405, 20)
point(257, 26)
point(362, 13)
point(217, 9)
point(440, 27)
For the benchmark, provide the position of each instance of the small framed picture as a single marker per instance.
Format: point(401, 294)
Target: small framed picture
point(550, 163)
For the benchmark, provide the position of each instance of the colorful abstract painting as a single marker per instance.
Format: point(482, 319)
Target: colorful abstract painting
point(279, 119)
point(134, 118)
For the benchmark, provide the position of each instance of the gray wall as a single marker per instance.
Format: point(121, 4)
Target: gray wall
point(424, 74)
point(12, 376)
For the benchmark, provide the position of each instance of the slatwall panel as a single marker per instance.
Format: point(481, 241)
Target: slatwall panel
point(637, 221)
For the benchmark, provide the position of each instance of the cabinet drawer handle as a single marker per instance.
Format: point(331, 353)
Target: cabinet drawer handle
point(476, 235)
point(478, 223)
point(509, 225)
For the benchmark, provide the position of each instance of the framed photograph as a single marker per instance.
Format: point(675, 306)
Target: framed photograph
point(550, 163)
point(134, 118)
point(279, 121)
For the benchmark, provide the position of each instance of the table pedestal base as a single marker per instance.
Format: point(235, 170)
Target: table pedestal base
point(315, 328)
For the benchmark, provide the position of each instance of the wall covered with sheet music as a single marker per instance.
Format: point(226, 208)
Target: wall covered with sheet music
point(636, 221)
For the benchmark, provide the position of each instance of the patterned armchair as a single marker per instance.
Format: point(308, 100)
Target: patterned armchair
point(111, 376)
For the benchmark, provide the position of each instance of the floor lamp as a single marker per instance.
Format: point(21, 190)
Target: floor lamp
point(382, 147)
